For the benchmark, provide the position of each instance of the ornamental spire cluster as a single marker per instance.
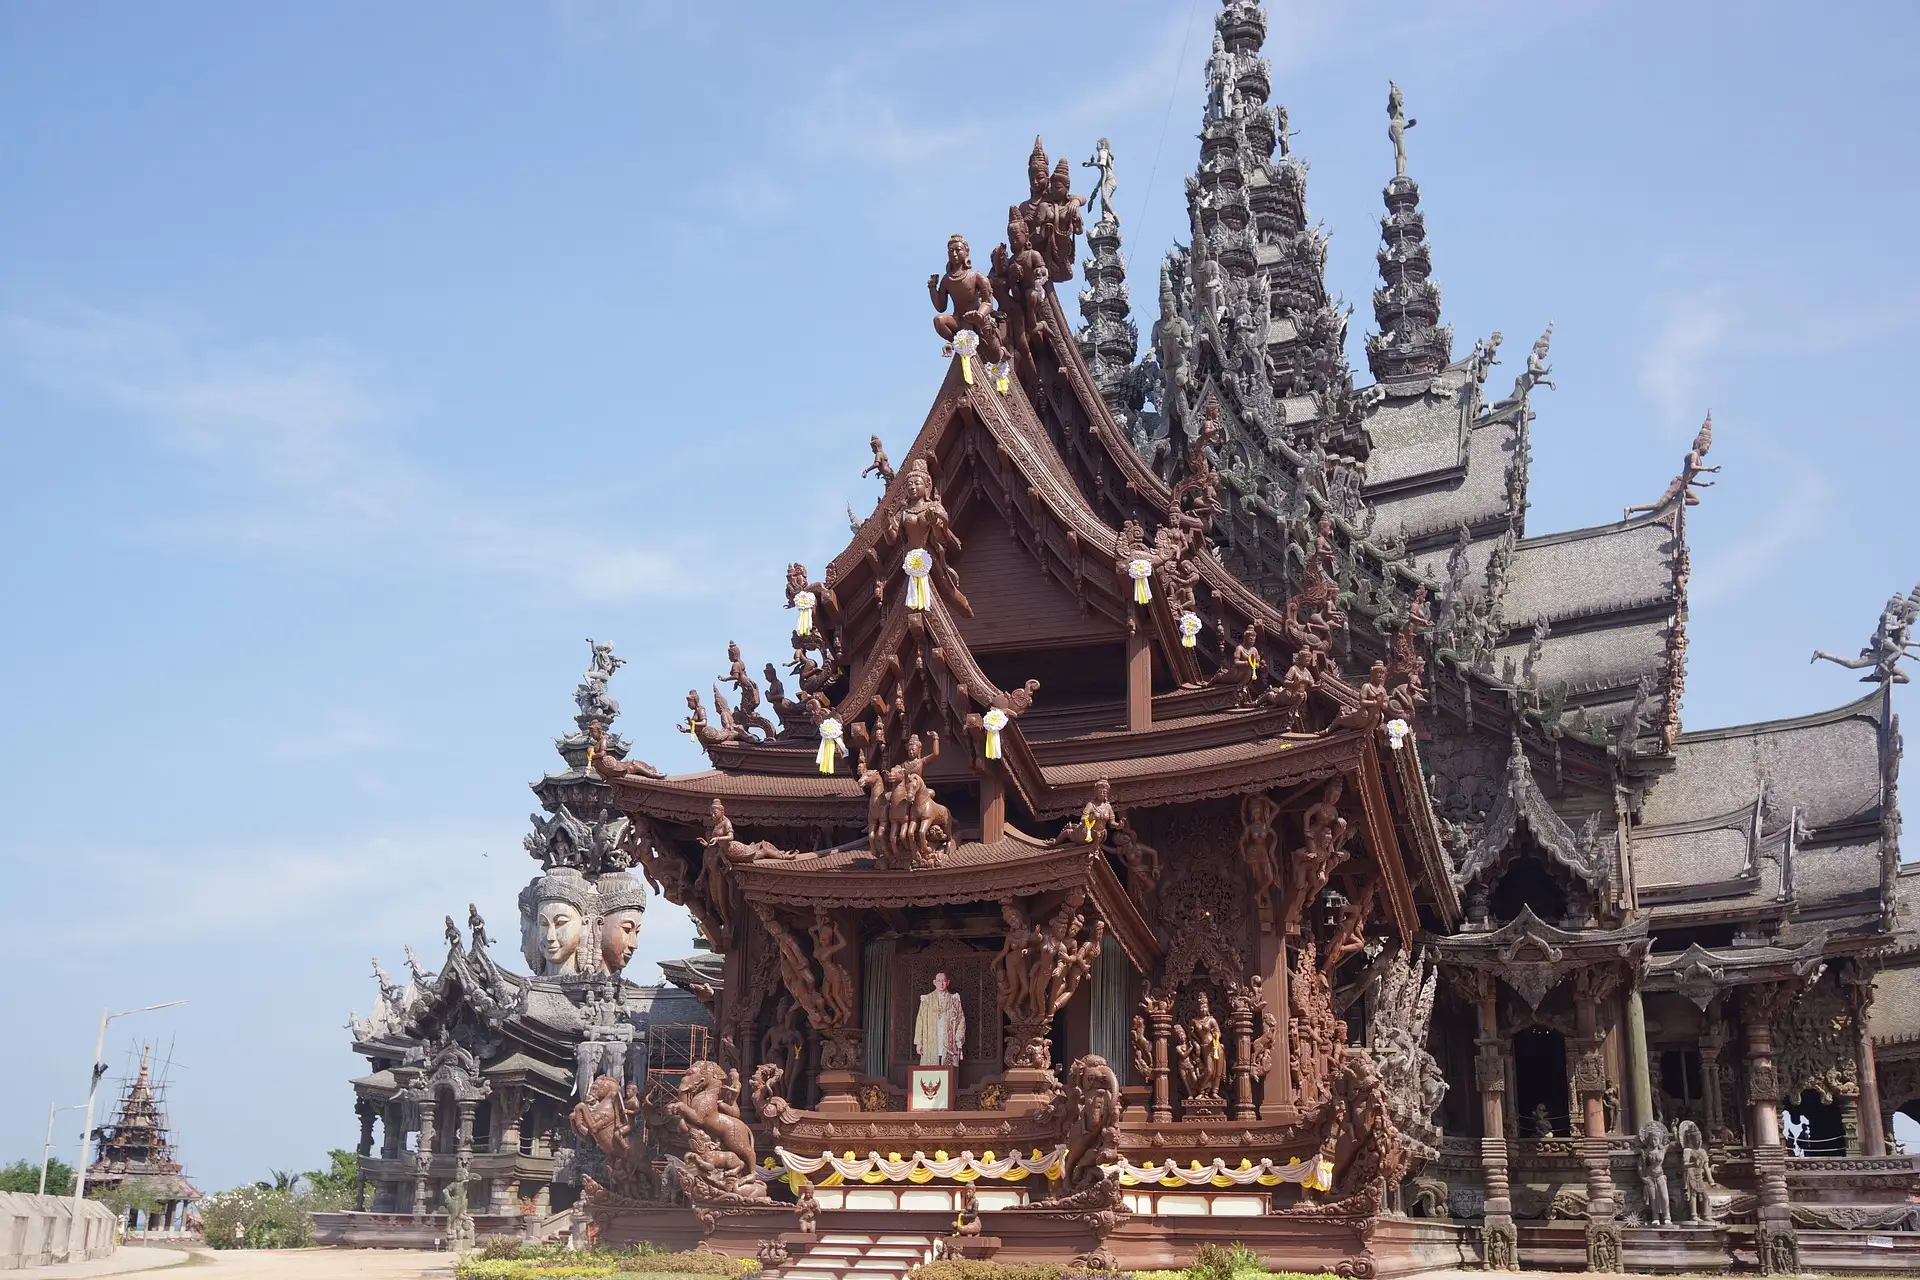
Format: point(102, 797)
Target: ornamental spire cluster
point(1109, 339)
point(1411, 341)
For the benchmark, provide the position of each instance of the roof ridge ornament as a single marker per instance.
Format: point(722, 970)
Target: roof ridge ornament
point(1892, 641)
point(1681, 491)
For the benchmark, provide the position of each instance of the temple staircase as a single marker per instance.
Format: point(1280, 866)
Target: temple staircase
point(848, 1255)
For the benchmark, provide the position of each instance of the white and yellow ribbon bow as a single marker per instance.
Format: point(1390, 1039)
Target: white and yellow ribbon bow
point(1000, 373)
point(1190, 625)
point(1323, 1175)
point(964, 344)
point(830, 732)
point(1141, 571)
point(1397, 732)
point(804, 602)
point(993, 722)
point(919, 564)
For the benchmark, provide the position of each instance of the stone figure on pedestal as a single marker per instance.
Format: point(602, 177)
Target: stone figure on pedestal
point(940, 1029)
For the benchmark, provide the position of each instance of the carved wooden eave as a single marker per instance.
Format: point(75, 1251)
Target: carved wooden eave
point(1533, 957)
point(1124, 922)
point(1521, 801)
point(1016, 866)
point(1409, 784)
point(762, 799)
point(1382, 838)
point(1701, 975)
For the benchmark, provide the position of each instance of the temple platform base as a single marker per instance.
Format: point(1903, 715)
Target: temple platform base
point(1394, 1247)
point(354, 1230)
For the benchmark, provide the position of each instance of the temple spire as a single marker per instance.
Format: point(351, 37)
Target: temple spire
point(1109, 339)
point(1411, 341)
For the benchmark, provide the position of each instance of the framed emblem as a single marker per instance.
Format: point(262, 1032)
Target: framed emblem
point(931, 1088)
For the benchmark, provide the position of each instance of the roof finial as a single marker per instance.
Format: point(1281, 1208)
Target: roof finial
point(1411, 341)
point(1397, 126)
point(1108, 338)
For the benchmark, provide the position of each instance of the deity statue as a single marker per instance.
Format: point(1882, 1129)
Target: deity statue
point(919, 522)
point(1653, 1174)
point(880, 466)
point(972, 297)
point(1105, 186)
point(1696, 1165)
point(1021, 281)
point(621, 901)
point(554, 911)
point(1203, 1059)
point(940, 1028)
point(1397, 126)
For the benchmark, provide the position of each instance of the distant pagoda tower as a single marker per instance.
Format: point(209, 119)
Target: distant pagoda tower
point(1411, 341)
point(137, 1148)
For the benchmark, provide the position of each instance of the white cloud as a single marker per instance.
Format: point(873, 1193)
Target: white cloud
point(1728, 570)
point(303, 444)
point(1672, 371)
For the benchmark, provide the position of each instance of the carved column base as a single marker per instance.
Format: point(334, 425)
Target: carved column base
point(839, 1093)
point(1028, 1088)
point(1779, 1248)
point(1603, 1246)
point(1203, 1108)
point(1499, 1243)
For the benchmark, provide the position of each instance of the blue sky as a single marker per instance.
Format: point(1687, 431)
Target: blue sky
point(357, 361)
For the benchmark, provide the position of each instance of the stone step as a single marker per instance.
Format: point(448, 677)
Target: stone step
point(809, 1273)
point(924, 1242)
point(914, 1251)
point(833, 1237)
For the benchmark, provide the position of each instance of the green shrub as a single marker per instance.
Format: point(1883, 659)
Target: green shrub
point(266, 1218)
point(981, 1269)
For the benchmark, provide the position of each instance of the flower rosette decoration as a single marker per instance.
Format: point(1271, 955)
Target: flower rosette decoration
point(830, 735)
point(804, 601)
point(964, 344)
point(993, 722)
point(918, 564)
point(1000, 373)
point(1398, 731)
point(1140, 569)
point(1190, 625)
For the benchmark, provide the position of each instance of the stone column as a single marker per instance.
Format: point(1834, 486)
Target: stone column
point(1502, 1241)
point(393, 1131)
point(1240, 1025)
point(1778, 1246)
point(423, 1157)
point(463, 1137)
point(1639, 1080)
point(506, 1129)
point(364, 1110)
point(1159, 1011)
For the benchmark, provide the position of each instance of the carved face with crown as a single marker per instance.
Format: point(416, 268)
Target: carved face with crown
point(619, 935)
point(557, 926)
point(959, 262)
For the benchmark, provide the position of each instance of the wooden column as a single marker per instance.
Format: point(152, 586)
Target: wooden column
point(1276, 1091)
point(1501, 1240)
point(1240, 1017)
point(1139, 681)
point(1778, 1244)
point(1639, 1081)
point(1873, 1132)
point(423, 1157)
point(993, 807)
point(1160, 1027)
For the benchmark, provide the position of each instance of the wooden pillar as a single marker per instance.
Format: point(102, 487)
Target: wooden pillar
point(1160, 1027)
point(1240, 1023)
point(1139, 681)
point(1501, 1240)
point(1873, 1131)
point(1778, 1244)
point(423, 1157)
point(1639, 1081)
point(993, 807)
point(1276, 1090)
point(1590, 1084)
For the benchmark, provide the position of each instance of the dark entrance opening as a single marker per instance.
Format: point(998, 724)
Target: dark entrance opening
point(1540, 1083)
point(1825, 1133)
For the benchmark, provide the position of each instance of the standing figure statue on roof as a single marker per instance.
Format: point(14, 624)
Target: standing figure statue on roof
point(1064, 225)
point(1020, 281)
point(940, 1028)
point(1219, 80)
point(1397, 126)
point(1105, 185)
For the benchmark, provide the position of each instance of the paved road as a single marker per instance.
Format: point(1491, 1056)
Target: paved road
point(259, 1264)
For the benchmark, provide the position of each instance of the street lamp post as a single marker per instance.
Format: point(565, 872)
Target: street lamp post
point(46, 1152)
point(100, 1069)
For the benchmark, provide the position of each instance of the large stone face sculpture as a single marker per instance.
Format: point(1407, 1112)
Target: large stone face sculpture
point(553, 916)
point(621, 904)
